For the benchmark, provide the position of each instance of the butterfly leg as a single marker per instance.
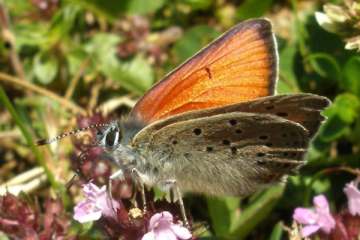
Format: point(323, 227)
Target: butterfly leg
point(138, 177)
point(71, 181)
point(172, 184)
point(119, 174)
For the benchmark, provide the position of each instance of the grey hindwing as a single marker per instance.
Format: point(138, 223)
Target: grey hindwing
point(231, 153)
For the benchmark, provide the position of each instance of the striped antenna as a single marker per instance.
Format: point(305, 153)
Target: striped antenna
point(66, 134)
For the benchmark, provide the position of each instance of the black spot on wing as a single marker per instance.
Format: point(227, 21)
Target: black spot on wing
point(197, 131)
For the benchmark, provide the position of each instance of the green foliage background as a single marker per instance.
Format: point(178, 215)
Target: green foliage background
point(78, 40)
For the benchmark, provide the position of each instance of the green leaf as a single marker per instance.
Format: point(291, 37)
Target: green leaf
point(256, 212)
point(333, 128)
point(320, 185)
point(341, 114)
point(143, 6)
point(346, 106)
point(253, 8)
point(18, 7)
point(111, 9)
point(75, 59)
point(355, 131)
point(325, 65)
point(193, 40)
point(44, 35)
point(351, 80)
point(136, 75)
point(102, 50)
point(31, 35)
point(222, 213)
point(45, 68)
point(198, 4)
point(102, 47)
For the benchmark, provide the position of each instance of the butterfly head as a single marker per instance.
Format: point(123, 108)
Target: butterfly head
point(115, 140)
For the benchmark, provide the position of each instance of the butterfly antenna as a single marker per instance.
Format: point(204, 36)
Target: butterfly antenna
point(66, 134)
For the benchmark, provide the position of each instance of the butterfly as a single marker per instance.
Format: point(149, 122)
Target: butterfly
point(213, 125)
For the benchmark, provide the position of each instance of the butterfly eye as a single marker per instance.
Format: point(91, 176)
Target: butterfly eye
point(112, 138)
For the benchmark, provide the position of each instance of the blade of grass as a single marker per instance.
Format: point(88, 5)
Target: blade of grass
point(38, 156)
point(277, 232)
point(42, 91)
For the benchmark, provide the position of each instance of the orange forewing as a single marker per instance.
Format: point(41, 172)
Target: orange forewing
point(239, 66)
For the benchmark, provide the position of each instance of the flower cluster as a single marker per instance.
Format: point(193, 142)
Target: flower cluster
point(97, 204)
point(353, 194)
point(161, 227)
point(320, 219)
point(317, 219)
point(343, 20)
point(21, 220)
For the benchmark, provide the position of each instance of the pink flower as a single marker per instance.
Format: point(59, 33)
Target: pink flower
point(353, 195)
point(315, 219)
point(161, 227)
point(96, 203)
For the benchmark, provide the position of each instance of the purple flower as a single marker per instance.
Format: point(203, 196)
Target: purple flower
point(97, 203)
point(315, 219)
point(161, 227)
point(353, 195)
